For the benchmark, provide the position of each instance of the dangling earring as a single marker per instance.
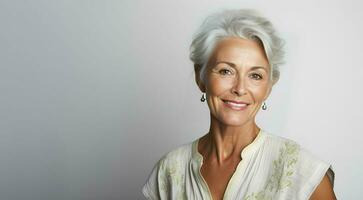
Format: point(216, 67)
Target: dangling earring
point(203, 98)
point(264, 107)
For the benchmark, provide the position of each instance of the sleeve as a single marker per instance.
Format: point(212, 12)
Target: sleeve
point(331, 175)
point(150, 188)
point(311, 171)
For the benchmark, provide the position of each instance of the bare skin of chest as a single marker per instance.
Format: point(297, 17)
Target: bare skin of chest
point(217, 176)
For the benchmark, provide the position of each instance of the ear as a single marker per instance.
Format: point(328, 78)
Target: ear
point(199, 82)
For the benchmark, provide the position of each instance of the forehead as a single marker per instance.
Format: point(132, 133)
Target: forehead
point(240, 52)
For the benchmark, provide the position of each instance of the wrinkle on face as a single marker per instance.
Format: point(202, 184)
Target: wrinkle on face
point(243, 58)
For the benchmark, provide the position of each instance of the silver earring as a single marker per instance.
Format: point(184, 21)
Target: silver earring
point(264, 107)
point(203, 98)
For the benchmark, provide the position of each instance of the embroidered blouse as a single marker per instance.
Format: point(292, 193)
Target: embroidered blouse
point(272, 167)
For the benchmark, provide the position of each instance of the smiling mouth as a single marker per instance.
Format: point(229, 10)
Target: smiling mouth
point(235, 105)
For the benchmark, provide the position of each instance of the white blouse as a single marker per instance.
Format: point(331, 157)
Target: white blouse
point(272, 167)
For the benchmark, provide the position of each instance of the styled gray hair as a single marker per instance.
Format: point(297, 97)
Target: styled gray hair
point(244, 24)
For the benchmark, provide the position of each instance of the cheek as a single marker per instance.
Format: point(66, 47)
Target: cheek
point(217, 87)
point(259, 92)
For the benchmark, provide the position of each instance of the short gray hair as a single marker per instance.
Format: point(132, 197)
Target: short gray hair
point(244, 24)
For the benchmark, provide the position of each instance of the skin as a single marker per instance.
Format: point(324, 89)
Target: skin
point(238, 70)
point(324, 190)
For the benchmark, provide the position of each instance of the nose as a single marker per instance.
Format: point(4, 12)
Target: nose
point(239, 87)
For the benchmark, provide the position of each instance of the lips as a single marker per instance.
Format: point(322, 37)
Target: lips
point(236, 105)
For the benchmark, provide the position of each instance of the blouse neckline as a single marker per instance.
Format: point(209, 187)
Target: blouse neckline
point(253, 146)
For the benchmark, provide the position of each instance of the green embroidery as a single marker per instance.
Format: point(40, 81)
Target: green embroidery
point(173, 177)
point(256, 196)
point(283, 170)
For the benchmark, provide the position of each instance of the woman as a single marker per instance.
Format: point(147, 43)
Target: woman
point(236, 55)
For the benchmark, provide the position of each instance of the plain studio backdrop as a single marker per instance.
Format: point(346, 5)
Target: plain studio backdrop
point(93, 93)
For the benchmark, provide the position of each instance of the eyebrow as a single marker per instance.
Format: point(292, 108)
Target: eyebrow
point(234, 65)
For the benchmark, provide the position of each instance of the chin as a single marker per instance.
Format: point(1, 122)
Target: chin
point(237, 124)
point(233, 122)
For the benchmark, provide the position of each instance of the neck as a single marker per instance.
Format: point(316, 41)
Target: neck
point(225, 142)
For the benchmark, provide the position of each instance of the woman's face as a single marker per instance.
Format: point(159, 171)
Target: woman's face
point(237, 81)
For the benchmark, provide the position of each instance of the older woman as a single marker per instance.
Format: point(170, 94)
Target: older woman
point(236, 55)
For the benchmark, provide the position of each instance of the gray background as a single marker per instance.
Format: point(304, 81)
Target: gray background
point(93, 93)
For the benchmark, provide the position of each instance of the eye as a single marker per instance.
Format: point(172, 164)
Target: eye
point(225, 72)
point(256, 76)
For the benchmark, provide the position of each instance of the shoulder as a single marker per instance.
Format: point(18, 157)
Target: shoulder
point(168, 173)
point(180, 153)
point(270, 137)
point(305, 169)
point(305, 159)
point(282, 145)
point(175, 158)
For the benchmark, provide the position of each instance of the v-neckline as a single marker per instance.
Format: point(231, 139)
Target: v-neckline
point(248, 149)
